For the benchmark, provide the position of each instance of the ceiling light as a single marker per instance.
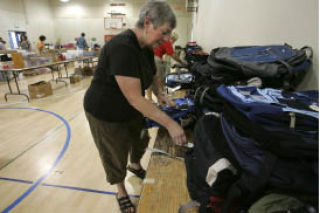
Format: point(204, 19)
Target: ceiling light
point(64, 0)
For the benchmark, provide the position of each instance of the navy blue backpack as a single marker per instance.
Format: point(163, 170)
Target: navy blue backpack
point(280, 66)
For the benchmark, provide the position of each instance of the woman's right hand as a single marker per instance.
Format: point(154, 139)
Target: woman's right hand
point(177, 133)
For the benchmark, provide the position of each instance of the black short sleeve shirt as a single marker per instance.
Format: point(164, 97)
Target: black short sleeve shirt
point(123, 56)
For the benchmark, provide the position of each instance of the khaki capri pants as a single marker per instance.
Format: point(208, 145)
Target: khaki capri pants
point(115, 141)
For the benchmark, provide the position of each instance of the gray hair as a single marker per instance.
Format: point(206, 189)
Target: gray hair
point(159, 12)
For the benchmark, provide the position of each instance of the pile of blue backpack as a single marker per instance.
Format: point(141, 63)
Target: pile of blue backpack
point(262, 141)
point(254, 135)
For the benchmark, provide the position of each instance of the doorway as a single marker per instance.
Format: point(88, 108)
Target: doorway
point(15, 38)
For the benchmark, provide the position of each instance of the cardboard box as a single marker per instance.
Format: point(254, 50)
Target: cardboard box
point(40, 89)
point(18, 61)
point(75, 78)
point(88, 71)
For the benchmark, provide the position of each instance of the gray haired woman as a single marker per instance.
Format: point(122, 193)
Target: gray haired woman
point(114, 103)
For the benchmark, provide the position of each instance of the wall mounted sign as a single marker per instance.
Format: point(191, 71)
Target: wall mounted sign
point(113, 23)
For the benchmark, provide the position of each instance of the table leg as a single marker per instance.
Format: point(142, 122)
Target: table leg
point(59, 78)
point(66, 68)
point(15, 79)
point(10, 89)
point(8, 81)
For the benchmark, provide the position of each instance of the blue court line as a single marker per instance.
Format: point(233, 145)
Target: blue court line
point(85, 189)
point(36, 183)
point(35, 144)
point(66, 187)
point(16, 180)
point(29, 148)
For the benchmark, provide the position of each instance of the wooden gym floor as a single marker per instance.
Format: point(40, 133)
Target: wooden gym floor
point(48, 160)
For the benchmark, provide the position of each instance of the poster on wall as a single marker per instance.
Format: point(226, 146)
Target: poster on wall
point(113, 23)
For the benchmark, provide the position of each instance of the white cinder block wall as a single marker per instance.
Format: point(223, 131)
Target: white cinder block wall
point(78, 16)
point(258, 22)
point(12, 17)
point(67, 20)
point(40, 20)
point(33, 16)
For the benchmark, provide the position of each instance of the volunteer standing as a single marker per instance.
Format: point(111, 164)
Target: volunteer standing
point(115, 103)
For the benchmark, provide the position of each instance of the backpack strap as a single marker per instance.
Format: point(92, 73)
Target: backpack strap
point(288, 76)
point(203, 94)
point(306, 49)
point(197, 93)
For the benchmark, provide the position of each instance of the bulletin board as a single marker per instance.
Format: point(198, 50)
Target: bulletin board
point(113, 23)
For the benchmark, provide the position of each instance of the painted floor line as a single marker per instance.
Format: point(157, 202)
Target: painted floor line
point(85, 189)
point(44, 176)
point(33, 145)
point(16, 180)
point(66, 187)
point(49, 134)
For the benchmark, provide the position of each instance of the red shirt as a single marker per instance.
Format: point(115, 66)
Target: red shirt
point(164, 48)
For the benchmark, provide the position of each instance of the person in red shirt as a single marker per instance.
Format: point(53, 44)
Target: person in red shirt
point(165, 48)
